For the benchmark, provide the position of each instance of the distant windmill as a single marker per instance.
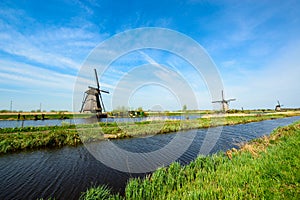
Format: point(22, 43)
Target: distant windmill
point(225, 103)
point(278, 106)
point(92, 100)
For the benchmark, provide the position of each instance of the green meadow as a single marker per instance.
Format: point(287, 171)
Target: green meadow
point(265, 168)
point(16, 139)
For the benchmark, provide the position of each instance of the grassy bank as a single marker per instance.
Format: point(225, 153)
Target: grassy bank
point(71, 115)
point(16, 139)
point(12, 142)
point(42, 115)
point(266, 168)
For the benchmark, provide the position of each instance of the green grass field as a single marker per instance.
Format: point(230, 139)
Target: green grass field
point(16, 139)
point(266, 168)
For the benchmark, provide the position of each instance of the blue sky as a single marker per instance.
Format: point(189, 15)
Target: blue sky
point(254, 44)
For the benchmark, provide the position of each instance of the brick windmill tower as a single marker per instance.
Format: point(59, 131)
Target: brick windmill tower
point(92, 100)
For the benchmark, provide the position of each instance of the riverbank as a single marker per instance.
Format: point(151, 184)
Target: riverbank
point(23, 116)
point(265, 168)
point(16, 139)
point(42, 115)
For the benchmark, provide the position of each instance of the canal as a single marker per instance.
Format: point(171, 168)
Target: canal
point(67, 172)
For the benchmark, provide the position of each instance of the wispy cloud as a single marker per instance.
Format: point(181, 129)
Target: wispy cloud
point(28, 76)
point(149, 59)
point(29, 85)
point(56, 46)
point(46, 48)
point(42, 59)
point(43, 52)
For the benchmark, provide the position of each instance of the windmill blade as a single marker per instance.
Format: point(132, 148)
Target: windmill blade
point(230, 100)
point(223, 95)
point(97, 81)
point(101, 101)
point(217, 101)
point(99, 91)
point(83, 102)
point(105, 91)
point(278, 102)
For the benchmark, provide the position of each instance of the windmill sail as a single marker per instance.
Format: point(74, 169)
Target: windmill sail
point(92, 100)
point(278, 106)
point(224, 103)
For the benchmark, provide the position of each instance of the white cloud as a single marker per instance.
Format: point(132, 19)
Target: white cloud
point(61, 47)
point(39, 60)
point(228, 63)
point(277, 80)
point(45, 49)
point(28, 76)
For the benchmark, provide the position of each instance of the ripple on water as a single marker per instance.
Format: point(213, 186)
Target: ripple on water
point(65, 173)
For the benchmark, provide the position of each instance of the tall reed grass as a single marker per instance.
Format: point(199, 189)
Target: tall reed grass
point(266, 168)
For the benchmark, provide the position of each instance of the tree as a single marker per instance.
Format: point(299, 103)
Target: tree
point(184, 108)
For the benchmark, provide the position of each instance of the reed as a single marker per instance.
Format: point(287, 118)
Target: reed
point(100, 192)
point(266, 168)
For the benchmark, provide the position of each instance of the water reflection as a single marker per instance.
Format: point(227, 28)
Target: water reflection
point(59, 122)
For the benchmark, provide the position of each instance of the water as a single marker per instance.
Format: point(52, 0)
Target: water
point(59, 122)
point(65, 173)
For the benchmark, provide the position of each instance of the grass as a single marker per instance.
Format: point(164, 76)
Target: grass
point(52, 138)
point(35, 129)
point(100, 192)
point(266, 168)
point(16, 139)
point(32, 116)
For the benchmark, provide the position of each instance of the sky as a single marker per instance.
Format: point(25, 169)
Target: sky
point(255, 46)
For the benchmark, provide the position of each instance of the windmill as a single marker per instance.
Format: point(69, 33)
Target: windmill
point(278, 106)
point(92, 100)
point(225, 103)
